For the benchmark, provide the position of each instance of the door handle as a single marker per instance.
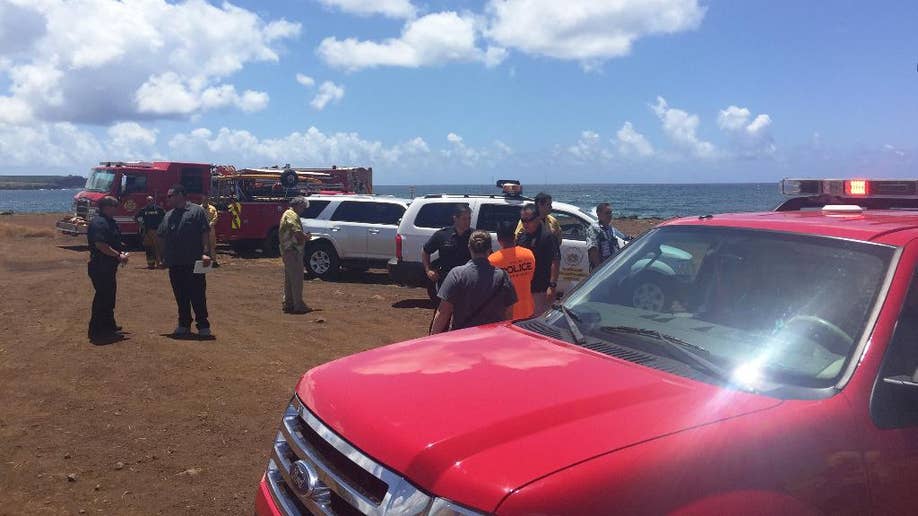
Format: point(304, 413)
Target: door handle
point(373, 231)
point(335, 230)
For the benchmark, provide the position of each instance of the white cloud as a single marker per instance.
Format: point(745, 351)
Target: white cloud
point(749, 137)
point(589, 148)
point(91, 58)
point(130, 140)
point(433, 39)
point(329, 92)
point(632, 143)
point(588, 31)
point(389, 8)
point(305, 80)
point(454, 138)
point(681, 128)
point(14, 111)
point(167, 94)
point(318, 148)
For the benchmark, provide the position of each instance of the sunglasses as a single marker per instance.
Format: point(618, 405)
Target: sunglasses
point(533, 219)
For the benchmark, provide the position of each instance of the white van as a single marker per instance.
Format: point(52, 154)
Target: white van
point(427, 214)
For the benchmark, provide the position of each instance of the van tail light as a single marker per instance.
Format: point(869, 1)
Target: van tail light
point(398, 246)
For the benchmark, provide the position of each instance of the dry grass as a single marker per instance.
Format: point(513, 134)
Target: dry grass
point(8, 230)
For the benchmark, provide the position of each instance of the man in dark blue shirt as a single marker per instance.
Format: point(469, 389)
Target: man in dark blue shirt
point(185, 235)
point(105, 254)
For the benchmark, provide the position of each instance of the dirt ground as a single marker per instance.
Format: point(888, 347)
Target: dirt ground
point(152, 424)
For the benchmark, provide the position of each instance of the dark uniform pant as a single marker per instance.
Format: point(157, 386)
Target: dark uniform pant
point(190, 293)
point(102, 275)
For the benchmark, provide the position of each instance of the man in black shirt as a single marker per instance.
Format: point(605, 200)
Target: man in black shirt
point(185, 234)
point(452, 245)
point(149, 218)
point(105, 254)
point(547, 250)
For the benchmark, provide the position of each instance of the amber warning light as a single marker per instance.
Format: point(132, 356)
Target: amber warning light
point(857, 187)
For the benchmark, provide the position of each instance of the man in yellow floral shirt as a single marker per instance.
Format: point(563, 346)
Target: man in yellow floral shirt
point(292, 246)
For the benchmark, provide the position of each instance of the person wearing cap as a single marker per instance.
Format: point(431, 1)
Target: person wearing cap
point(105, 254)
point(544, 207)
point(212, 215)
point(519, 263)
point(475, 293)
point(292, 248)
point(547, 250)
point(149, 218)
point(601, 241)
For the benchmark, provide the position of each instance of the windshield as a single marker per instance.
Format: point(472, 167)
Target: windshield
point(772, 309)
point(100, 180)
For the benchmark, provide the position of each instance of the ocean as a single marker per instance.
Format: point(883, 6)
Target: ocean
point(628, 200)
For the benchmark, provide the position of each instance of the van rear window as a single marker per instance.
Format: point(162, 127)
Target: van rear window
point(437, 215)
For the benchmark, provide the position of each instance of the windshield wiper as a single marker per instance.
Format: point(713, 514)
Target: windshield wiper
point(571, 319)
point(681, 347)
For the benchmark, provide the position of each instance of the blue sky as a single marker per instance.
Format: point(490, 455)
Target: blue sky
point(459, 92)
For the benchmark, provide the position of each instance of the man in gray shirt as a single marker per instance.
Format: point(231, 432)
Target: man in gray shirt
point(185, 234)
point(475, 293)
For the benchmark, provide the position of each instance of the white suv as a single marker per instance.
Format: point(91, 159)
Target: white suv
point(351, 231)
point(432, 212)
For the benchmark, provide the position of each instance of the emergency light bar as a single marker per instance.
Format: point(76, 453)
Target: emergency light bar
point(907, 188)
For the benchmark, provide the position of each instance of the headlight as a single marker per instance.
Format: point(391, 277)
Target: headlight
point(441, 507)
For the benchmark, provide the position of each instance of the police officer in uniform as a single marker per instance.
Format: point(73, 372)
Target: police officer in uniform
point(452, 244)
point(105, 254)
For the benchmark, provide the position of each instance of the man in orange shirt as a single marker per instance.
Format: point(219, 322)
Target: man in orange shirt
point(519, 263)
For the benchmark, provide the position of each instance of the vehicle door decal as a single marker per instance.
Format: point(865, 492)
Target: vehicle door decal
point(573, 263)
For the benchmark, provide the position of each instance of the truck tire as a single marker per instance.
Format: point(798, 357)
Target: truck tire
point(271, 244)
point(322, 261)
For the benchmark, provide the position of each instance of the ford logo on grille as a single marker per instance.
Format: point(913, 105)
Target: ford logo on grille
point(306, 481)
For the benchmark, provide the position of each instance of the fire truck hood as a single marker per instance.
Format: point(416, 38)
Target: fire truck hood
point(91, 196)
point(472, 415)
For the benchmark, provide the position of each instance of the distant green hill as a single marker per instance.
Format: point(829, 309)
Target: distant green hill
point(40, 182)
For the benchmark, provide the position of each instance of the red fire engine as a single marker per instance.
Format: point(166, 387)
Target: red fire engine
point(131, 183)
point(250, 200)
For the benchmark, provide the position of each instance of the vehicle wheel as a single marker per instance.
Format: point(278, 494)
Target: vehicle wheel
point(271, 244)
point(321, 261)
point(649, 294)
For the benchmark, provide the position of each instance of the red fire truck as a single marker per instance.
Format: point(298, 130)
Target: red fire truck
point(131, 183)
point(250, 200)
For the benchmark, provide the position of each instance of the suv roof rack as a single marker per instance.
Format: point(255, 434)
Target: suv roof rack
point(476, 196)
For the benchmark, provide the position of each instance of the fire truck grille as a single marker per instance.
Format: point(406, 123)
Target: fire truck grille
point(313, 470)
point(82, 208)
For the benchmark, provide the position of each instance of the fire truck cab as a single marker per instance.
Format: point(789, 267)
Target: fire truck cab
point(131, 183)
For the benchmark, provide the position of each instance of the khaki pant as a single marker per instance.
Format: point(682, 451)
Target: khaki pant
point(293, 280)
point(152, 248)
point(213, 243)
